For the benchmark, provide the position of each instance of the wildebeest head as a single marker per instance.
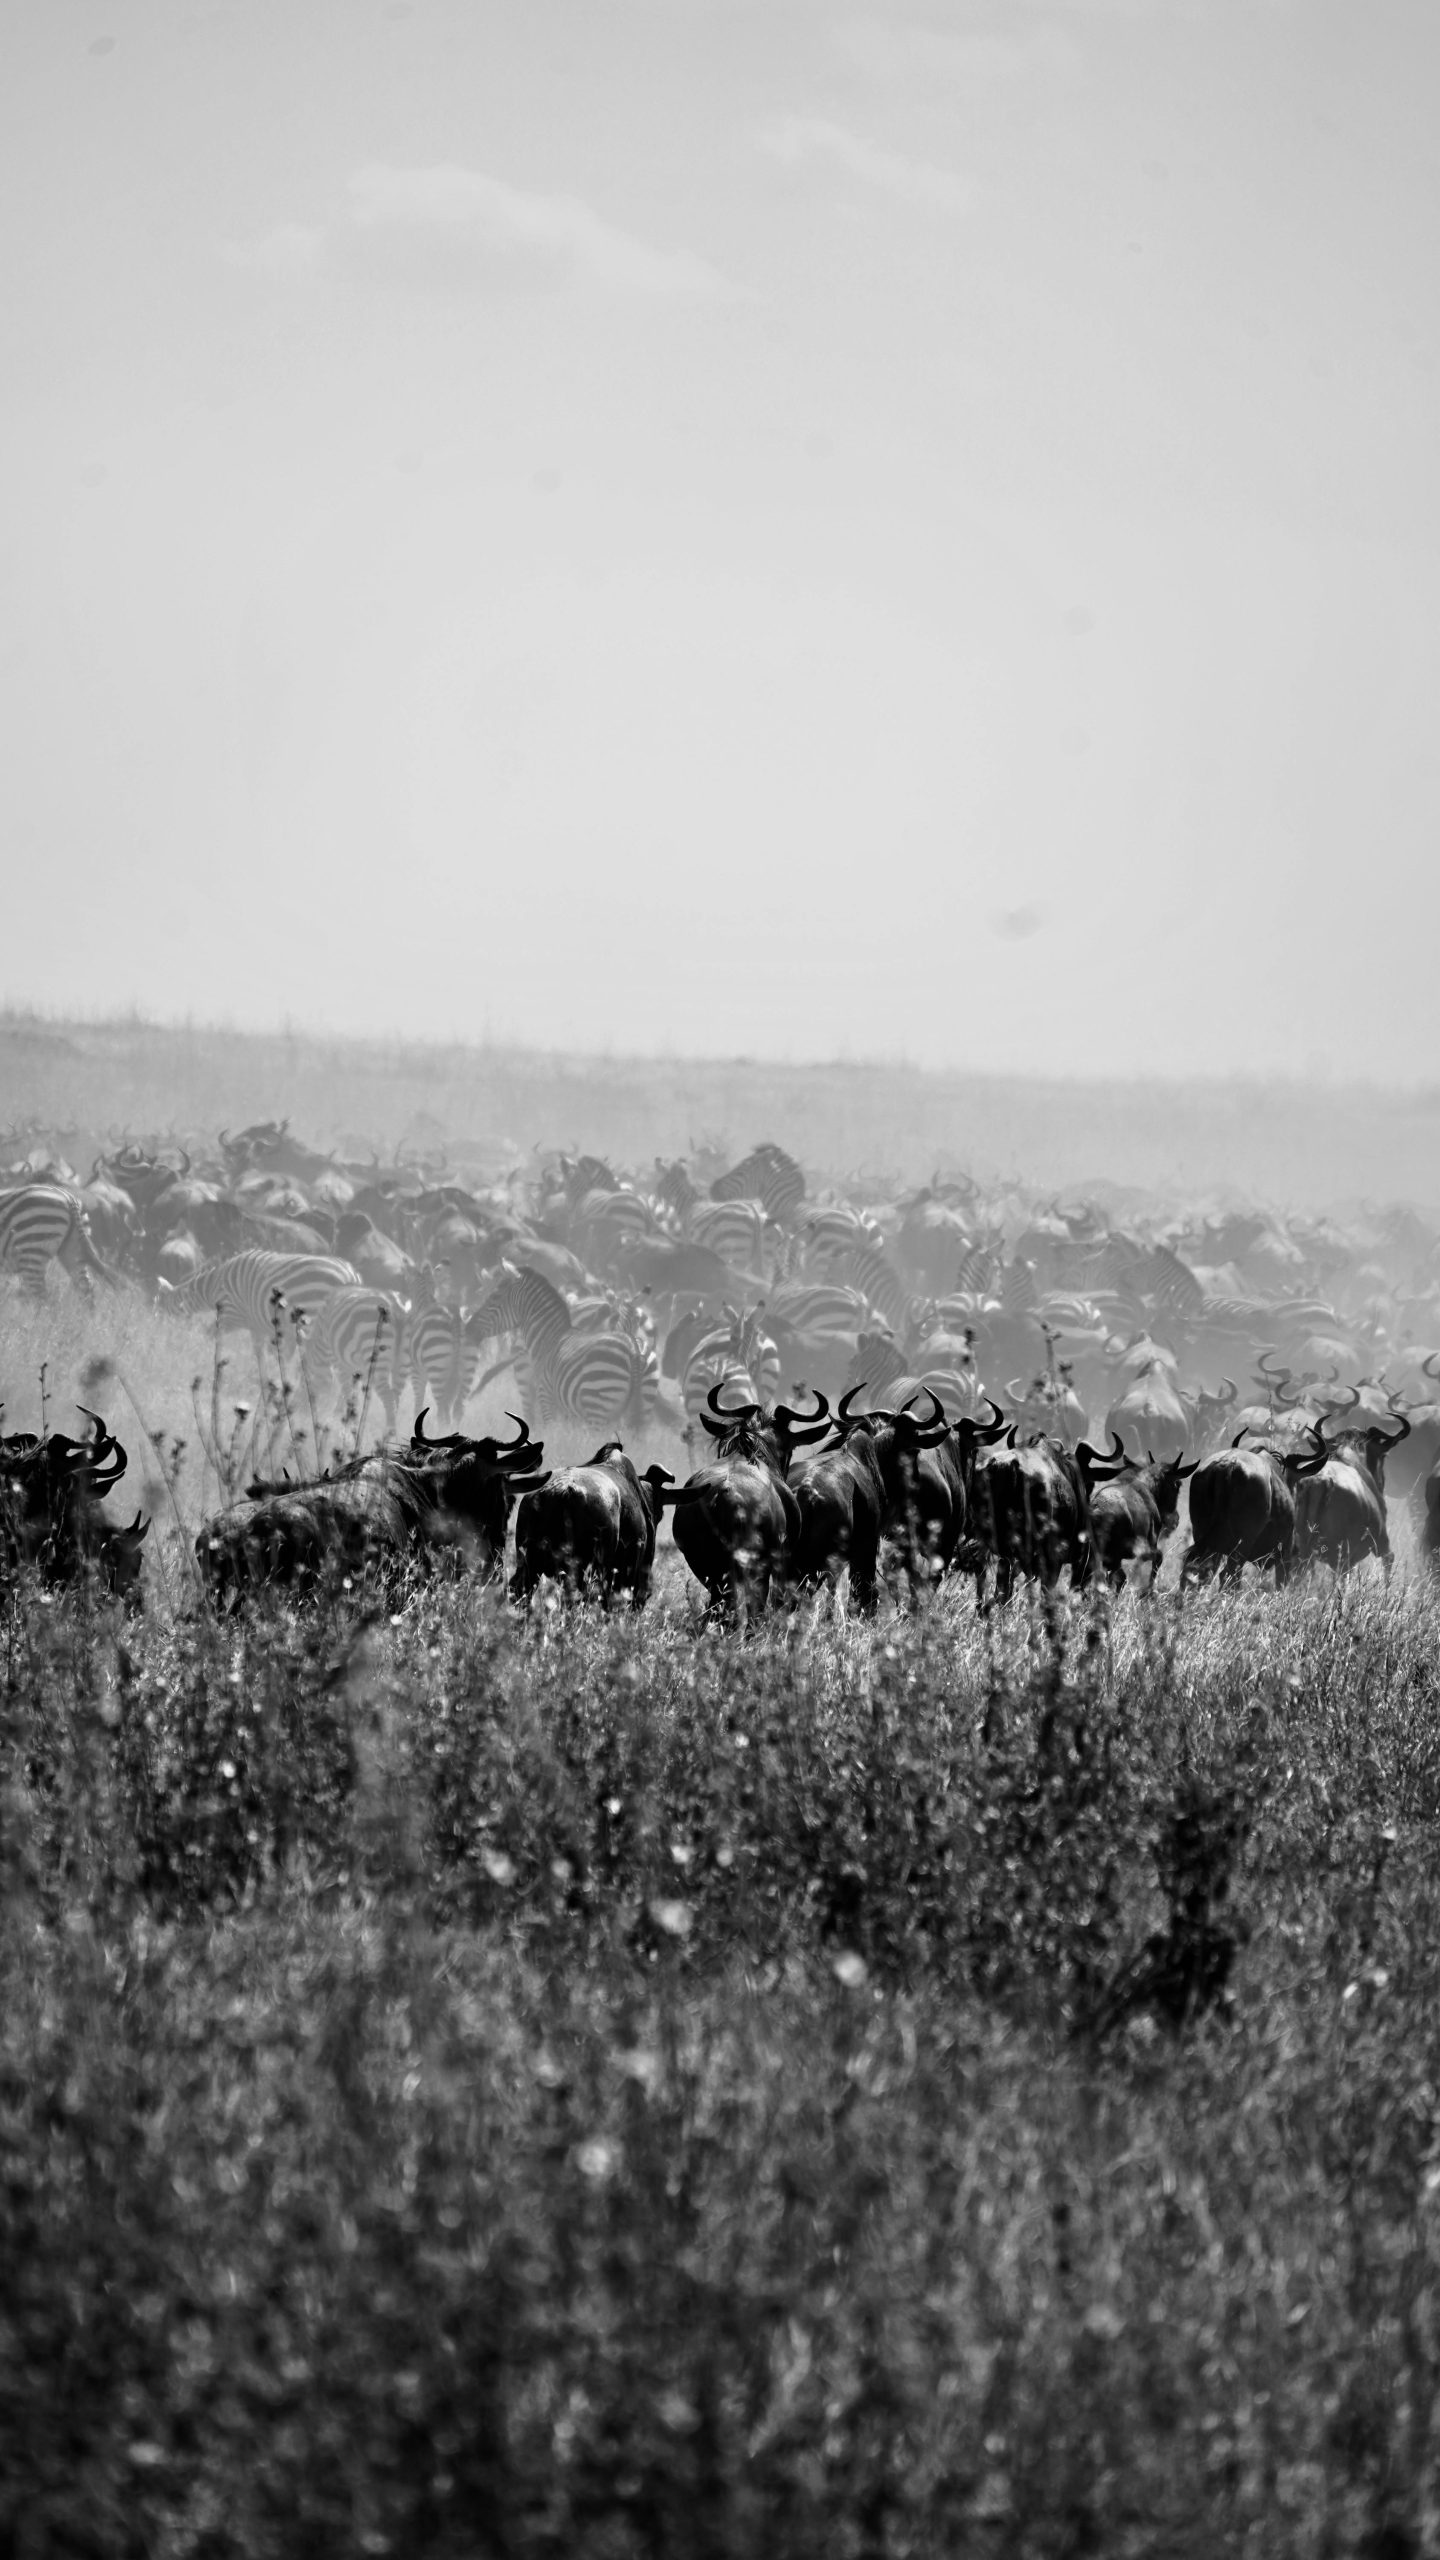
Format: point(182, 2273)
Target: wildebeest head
point(748, 1431)
point(50, 1516)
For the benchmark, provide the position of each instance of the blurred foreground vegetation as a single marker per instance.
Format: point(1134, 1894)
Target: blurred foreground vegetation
point(596, 2086)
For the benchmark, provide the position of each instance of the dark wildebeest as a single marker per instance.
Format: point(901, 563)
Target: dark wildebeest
point(1030, 1508)
point(1340, 1506)
point(933, 1491)
point(50, 1517)
point(1242, 1507)
point(736, 1521)
point(440, 1498)
point(1132, 1513)
point(592, 1525)
point(849, 1493)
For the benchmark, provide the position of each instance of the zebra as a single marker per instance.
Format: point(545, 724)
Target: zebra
point(593, 1379)
point(362, 1335)
point(274, 1295)
point(735, 1229)
point(737, 1354)
point(768, 1175)
point(444, 1354)
point(41, 1223)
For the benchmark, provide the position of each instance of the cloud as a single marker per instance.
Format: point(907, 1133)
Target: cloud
point(916, 182)
point(462, 216)
point(465, 209)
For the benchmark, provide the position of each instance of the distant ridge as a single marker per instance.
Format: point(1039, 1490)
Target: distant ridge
point(1280, 1141)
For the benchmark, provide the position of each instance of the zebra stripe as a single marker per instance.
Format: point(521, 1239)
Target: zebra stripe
point(39, 1224)
point(735, 1229)
point(739, 1355)
point(820, 1309)
point(273, 1294)
point(444, 1357)
point(360, 1334)
point(768, 1175)
point(591, 1379)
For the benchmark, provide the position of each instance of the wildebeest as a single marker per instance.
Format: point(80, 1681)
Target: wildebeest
point(592, 1525)
point(1132, 1513)
point(1030, 1509)
point(50, 1517)
point(850, 1493)
point(1340, 1505)
point(439, 1498)
point(736, 1521)
point(1242, 1507)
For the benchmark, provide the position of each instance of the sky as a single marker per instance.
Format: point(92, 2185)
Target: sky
point(728, 526)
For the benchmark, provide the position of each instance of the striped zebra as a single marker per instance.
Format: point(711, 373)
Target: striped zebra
point(445, 1355)
point(735, 1229)
point(673, 1187)
point(768, 1175)
point(609, 1221)
point(274, 1295)
point(592, 1379)
point(820, 1309)
point(736, 1353)
point(361, 1336)
point(41, 1223)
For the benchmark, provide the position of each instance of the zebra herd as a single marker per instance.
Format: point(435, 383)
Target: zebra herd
point(615, 1299)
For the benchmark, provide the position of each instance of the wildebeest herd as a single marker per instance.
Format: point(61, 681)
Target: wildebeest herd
point(867, 1378)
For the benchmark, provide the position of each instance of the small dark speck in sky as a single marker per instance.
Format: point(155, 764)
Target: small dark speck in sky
point(1015, 924)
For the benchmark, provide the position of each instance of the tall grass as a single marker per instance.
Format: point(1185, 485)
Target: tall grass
point(597, 2086)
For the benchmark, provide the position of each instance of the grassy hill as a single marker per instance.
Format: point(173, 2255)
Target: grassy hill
point(1296, 1144)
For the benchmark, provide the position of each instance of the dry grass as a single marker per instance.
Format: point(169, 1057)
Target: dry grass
point(591, 2086)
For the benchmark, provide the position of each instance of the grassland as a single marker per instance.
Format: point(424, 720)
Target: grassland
point(600, 2086)
point(597, 2087)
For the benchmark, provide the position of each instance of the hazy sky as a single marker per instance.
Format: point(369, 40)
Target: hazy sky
point(787, 527)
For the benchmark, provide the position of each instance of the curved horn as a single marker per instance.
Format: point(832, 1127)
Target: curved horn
point(522, 1433)
point(418, 1439)
point(1279, 1375)
point(732, 1412)
point(1392, 1439)
point(1427, 1365)
point(786, 1414)
point(842, 1410)
point(938, 1414)
point(1353, 1395)
point(1240, 1434)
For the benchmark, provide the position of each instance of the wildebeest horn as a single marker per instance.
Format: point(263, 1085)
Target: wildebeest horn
point(1353, 1396)
point(1427, 1365)
point(419, 1439)
point(791, 1421)
point(732, 1412)
point(522, 1433)
point(1279, 1375)
point(1392, 1439)
point(938, 1414)
point(842, 1410)
point(1093, 1460)
point(1240, 1434)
